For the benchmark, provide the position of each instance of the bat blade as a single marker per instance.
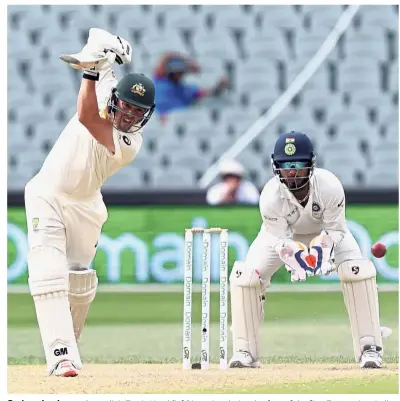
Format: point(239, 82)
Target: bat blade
point(80, 61)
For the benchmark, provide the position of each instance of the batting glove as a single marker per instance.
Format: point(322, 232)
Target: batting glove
point(101, 41)
point(100, 52)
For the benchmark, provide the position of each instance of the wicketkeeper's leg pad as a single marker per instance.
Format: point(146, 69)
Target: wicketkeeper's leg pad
point(246, 308)
point(360, 293)
point(82, 291)
point(48, 284)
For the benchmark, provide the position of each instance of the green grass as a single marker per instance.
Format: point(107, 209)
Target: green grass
point(376, 385)
point(302, 328)
point(162, 308)
point(147, 328)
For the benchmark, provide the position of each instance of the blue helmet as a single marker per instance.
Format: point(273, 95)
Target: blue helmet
point(293, 152)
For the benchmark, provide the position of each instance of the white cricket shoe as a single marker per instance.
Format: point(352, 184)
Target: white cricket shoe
point(371, 357)
point(65, 369)
point(243, 359)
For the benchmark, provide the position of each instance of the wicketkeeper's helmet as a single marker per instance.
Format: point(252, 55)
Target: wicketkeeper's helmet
point(293, 150)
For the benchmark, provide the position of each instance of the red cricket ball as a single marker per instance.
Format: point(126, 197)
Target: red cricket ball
point(378, 250)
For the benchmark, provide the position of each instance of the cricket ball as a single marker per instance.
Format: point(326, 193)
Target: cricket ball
point(378, 250)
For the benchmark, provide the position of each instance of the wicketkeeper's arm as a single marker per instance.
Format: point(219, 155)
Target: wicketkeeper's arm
point(334, 218)
point(274, 223)
point(278, 236)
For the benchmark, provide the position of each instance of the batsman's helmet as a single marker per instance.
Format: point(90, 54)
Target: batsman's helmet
point(293, 151)
point(137, 90)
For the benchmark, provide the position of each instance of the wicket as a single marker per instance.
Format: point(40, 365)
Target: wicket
point(205, 297)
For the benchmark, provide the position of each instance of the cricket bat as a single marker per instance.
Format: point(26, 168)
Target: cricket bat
point(85, 61)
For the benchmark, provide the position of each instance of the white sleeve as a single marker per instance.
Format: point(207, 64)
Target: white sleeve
point(127, 146)
point(334, 218)
point(274, 224)
point(107, 81)
point(214, 195)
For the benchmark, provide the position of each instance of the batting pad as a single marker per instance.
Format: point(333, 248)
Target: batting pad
point(360, 293)
point(81, 292)
point(48, 284)
point(246, 309)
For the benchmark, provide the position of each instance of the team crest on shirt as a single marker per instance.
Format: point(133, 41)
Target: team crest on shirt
point(290, 149)
point(316, 210)
point(35, 223)
point(139, 89)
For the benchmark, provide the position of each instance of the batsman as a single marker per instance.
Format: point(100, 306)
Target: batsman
point(63, 202)
point(303, 228)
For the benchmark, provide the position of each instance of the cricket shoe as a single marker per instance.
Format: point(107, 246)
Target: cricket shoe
point(243, 359)
point(65, 369)
point(371, 357)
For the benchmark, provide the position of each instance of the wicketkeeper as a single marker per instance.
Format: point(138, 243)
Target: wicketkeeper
point(304, 228)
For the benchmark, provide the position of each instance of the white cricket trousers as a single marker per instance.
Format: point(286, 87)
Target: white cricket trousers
point(71, 226)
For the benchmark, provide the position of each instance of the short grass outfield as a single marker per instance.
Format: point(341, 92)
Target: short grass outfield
point(132, 344)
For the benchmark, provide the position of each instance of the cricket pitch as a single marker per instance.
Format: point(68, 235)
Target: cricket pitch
point(171, 379)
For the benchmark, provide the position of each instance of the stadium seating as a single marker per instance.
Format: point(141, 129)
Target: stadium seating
point(351, 102)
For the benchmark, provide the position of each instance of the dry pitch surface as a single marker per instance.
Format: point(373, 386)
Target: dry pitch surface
point(165, 378)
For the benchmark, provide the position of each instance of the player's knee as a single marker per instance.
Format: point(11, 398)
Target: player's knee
point(356, 270)
point(82, 286)
point(244, 276)
point(47, 271)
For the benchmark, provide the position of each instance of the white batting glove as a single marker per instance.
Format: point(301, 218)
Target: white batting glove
point(100, 52)
point(295, 256)
point(321, 247)
point(102, 41)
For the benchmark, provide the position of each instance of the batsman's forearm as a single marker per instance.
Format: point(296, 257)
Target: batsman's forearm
point(87, 101)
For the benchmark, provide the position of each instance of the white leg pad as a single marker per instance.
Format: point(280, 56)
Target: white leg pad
point(48, 284)
point(246, 309)
point(82, 291)
point(360, 293)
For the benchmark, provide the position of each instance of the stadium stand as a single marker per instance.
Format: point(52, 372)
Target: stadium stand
point(350, 104)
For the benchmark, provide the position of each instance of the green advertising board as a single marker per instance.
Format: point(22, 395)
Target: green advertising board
point(145, 244)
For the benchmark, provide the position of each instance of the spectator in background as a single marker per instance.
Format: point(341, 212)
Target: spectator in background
point(172, 93)
point(233, 188)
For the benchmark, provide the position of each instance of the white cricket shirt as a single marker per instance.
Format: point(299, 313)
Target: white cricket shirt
point(283, 215)
point(78, 165)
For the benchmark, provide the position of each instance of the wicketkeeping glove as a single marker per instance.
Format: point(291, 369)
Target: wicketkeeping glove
point(321, 247)
point(297, 261)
